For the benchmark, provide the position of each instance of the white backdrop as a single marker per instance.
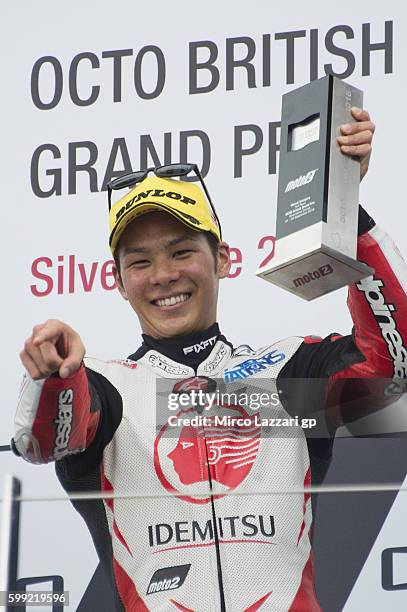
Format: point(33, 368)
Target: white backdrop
point(41, 233)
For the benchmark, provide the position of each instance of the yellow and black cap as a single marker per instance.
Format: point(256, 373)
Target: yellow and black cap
point(184, 200)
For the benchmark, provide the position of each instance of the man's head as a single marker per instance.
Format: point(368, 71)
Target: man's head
point(165, 267)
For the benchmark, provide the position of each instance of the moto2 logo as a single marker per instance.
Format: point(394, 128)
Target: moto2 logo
point(310, 276)
point(301, 180)
point(201, 346)
point(168, 579)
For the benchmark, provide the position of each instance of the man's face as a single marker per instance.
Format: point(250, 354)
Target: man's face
point(167, 273)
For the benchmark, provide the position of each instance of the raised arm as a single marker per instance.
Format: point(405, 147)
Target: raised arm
point(368, 369)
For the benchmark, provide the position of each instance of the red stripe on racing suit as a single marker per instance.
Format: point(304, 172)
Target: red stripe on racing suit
point(54, 417)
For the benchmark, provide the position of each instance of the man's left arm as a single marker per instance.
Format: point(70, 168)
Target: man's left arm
point(377, 304)
point(368, 369)
point(355, 375)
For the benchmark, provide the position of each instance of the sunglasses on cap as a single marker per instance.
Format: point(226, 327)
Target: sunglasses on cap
point(167, 171)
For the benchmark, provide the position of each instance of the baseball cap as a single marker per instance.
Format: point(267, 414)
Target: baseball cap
point(184, 200)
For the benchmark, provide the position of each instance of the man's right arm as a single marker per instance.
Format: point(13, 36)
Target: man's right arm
point(59, 410)
point(55, 417)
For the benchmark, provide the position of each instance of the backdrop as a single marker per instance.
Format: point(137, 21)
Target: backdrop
point(95, 88)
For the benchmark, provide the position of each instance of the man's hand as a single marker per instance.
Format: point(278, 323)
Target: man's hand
point(53, 346)
point(356, 139)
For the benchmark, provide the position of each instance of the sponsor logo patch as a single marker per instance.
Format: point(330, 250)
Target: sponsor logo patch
point(63, 423)
point(247, 527)
point(128, 363)
point(253, 366)
point(160, 363)
point(153, 193)
point(168, 579)
point(382, 312)
point(201, 346)
point(195, 383)
point(183, 461)
point(217, 358)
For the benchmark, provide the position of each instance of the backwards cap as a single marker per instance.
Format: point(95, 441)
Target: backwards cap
point(184, 200)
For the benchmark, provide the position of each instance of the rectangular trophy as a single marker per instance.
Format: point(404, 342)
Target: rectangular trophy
point(318, 187)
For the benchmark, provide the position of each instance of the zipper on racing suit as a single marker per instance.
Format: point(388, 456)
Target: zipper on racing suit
point(215, 533)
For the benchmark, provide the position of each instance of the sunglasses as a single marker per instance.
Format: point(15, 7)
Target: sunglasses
point(168, 171)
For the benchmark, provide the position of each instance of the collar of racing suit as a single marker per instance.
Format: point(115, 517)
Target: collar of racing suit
point(191, 349)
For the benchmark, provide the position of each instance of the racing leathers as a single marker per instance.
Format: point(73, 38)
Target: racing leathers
point(210, 524)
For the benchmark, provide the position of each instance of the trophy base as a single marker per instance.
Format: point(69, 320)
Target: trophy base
point(316, 273)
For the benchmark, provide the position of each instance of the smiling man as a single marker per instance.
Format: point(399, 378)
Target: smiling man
point(202, 547)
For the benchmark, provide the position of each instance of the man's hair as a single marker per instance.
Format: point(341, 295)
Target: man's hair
point(213, 245)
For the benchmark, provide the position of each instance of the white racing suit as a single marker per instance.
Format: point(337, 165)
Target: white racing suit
point(204, 530)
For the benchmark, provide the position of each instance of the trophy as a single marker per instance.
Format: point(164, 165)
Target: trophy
point(318, 187)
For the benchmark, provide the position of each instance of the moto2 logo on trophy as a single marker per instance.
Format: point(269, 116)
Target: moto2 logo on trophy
point(310, 276)
point(301, 180)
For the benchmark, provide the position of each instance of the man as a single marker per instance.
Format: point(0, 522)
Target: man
point(200, 530)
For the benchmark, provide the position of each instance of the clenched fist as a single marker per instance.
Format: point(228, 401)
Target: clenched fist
point(52, 347)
